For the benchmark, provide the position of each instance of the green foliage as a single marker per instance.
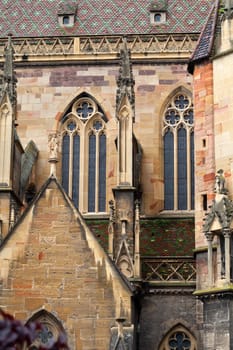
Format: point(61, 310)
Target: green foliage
point(14, 335)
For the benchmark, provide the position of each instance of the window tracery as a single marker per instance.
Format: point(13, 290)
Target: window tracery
point(49, 331)
point(178, 339)
point(178, 137)
point(84, 155)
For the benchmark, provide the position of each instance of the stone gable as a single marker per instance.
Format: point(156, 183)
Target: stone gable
point(51, 261)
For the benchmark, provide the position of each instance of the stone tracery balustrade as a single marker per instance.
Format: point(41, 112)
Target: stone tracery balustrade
point(169, 269)
point(143, 44)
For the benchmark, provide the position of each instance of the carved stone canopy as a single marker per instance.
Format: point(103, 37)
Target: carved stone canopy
point(220, 215)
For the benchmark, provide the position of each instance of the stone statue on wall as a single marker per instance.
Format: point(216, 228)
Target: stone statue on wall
point(220, 183)
point(53, 146)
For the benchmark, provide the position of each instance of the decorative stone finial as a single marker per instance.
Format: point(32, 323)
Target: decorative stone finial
point(53, 144)
point(125, 81)
point(8, 78)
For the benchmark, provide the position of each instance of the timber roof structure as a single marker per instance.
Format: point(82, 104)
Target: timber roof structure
point(32, 18)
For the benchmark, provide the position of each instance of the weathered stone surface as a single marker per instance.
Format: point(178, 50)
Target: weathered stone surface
point(218, 321)
point(160, 313)
point(70, 276)
point(44, 95)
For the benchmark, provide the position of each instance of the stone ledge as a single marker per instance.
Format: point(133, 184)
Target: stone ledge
point(215, 292)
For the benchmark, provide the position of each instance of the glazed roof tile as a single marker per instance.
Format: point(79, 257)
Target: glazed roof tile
point(33, 18)
point(206, 39)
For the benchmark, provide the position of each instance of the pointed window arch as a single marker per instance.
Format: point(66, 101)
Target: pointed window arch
point(178, 141)
point(51, 329)
point(179, 338)
point(84, 147)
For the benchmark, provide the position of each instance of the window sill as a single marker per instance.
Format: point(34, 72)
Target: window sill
point(96, 216)
point(177, 213)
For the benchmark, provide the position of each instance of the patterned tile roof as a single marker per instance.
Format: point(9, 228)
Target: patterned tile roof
point(36, 18)
point(159, 237)
point(206, 39)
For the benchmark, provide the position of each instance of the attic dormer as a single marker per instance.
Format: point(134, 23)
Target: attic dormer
point(66, 15)
point(158, 12)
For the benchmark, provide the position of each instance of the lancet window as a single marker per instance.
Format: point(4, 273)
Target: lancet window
point(178, 139)
point(84, 155)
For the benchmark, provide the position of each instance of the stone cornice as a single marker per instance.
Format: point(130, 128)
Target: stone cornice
point(170, 291)
point(215, 293)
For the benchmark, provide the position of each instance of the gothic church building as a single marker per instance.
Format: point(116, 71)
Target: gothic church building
point(115, 144)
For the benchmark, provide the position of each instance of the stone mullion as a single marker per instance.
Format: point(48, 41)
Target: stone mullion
point(97, 162)
point(71, 165)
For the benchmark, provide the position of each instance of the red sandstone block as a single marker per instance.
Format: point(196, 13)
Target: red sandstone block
point(23, 284)
point(209, 177)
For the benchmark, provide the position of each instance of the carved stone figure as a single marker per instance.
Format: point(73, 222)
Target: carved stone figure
point(220, 183)
point(53, 146)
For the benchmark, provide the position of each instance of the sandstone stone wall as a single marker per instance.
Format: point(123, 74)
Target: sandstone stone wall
point(223, 118)
point(51, 261)
point(204, 145)
point(44, 93)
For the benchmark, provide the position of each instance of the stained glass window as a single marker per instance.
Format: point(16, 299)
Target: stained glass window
point(178, 339)
point(102, 172)
point(157, 17)
point(84, 155)
point(178, 154)
point(84, 110)
point(45, 335)
point(65, 161)
point(92, 173)
point(169, 170)
point(76, 169)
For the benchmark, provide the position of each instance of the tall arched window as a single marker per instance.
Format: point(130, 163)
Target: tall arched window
point(178, 141)
point(84, 155)
point(179, 338)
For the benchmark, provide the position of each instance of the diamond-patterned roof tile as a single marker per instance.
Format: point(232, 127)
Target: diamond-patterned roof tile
point(25, 18)
point(206, 39)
